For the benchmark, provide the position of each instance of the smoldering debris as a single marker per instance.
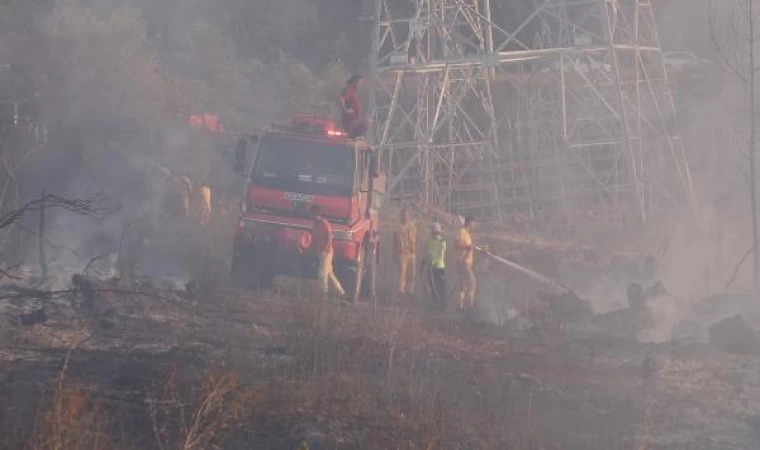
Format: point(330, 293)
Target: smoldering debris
point(23, 306)
point(568, 306)
point(735, 335)
point(643, 307)
point(33, 317)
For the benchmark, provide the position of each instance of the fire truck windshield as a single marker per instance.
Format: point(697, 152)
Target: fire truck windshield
point(315, 168)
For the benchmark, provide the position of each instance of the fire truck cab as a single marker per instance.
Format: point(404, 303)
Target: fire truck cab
point(292, 167)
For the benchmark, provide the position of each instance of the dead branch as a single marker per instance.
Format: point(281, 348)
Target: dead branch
point(41, 243)
point(21, 292)
point(11, 174)
point(8, 272)
point(737, 268)
point(50, 244)
point(84, 207)
point(721, 50)
point(93, 261)
point(15, 292)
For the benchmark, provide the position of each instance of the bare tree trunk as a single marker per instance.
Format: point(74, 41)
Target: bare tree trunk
point(41, 240)
point(752, 140)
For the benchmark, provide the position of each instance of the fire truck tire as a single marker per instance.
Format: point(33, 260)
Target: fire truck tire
point(352, 280)
point(370, 278)
point(238, 278)
point(354, 286)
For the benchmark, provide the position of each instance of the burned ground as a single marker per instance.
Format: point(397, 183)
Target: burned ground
point(388, 375)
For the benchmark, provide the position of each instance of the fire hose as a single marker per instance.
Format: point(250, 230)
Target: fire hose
point(511, 264)
point(531, 273)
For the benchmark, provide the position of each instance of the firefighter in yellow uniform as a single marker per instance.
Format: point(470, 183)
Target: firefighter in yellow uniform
point(205, 204)
point(467, 284)
point(196, 202)
point(406, 245)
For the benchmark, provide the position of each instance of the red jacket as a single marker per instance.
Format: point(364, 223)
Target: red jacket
point(322, 236)
point(351, 100)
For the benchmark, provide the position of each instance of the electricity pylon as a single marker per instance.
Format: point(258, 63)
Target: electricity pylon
point(568, 106)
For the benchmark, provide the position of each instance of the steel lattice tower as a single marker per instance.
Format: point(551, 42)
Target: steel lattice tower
point(568, 106)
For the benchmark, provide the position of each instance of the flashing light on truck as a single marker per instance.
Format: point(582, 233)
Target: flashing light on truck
point(316, 125)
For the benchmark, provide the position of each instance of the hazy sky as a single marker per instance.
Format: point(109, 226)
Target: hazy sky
point(684, 25)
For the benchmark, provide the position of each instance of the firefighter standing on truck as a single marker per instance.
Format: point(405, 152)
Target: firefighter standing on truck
point(352, 115)
point(406, 245)
point(466, 288)
point(322, 245)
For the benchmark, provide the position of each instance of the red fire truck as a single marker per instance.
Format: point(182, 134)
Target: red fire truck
point(293, 166)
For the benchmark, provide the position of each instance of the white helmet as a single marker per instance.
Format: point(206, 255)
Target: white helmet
point(436, 228)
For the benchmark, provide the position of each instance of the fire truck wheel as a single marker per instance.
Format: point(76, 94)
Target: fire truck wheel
point(352, 283)
point(242, 275)
point(238, 278)
point(370, 277)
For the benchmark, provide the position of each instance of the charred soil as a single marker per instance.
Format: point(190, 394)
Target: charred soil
point(239, 370)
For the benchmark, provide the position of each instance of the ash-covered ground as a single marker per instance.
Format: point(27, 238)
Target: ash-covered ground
point(148, 363)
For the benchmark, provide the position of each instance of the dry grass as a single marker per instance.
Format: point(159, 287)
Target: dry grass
point(72, 422)
point(371, 376)
point(363, 365)
point(384, 369)
point(190, 415)
point(349, 357)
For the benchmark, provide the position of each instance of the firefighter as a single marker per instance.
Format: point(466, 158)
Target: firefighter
point(406, 244)
point(322, 245)
point(436, 262)
point(467, 284)
point(205, 197)
point(352, 115)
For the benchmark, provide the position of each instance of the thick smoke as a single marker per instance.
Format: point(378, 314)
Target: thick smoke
point(114, 96)
point(699, 262)
point(114, 81)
